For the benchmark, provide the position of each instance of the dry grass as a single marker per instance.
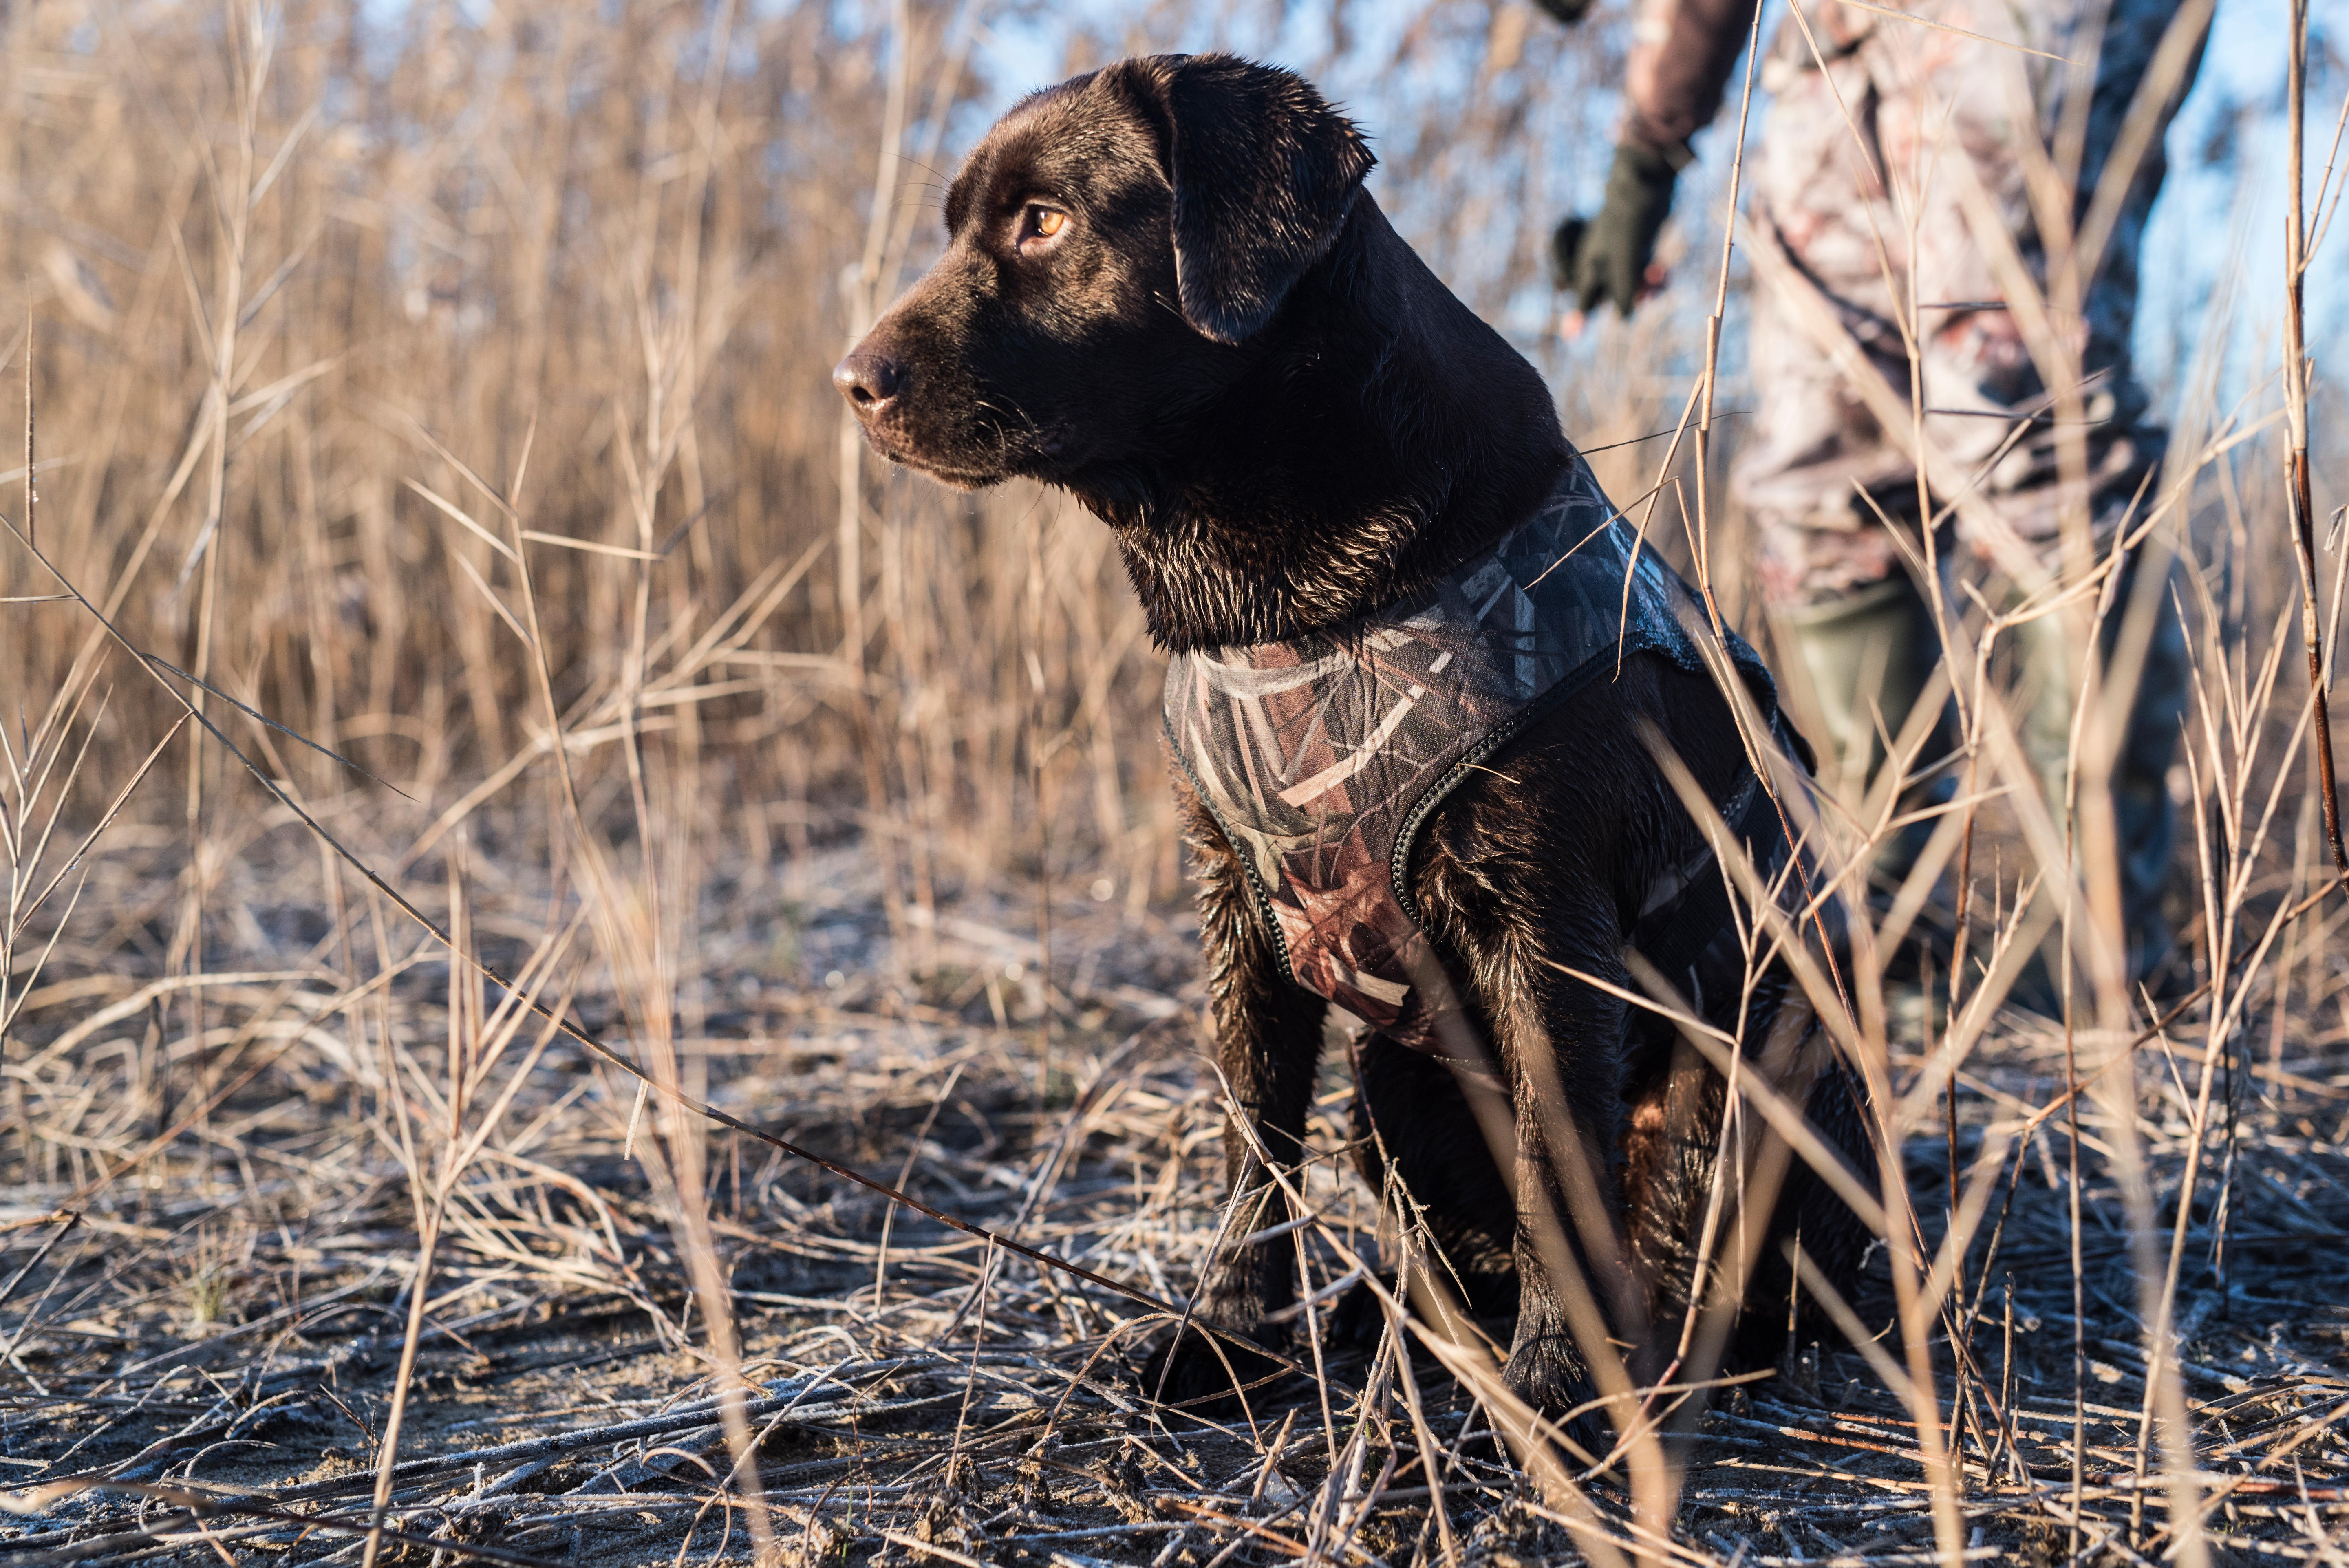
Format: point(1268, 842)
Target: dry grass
point(449, 388)
point(226, 1326)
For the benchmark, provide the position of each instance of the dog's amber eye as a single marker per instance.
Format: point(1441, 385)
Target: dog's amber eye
point(1044, 223)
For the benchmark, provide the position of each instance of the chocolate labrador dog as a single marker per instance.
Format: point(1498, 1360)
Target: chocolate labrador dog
point(1439, 720)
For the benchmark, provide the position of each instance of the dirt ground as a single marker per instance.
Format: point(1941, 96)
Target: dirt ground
point(216, 1337)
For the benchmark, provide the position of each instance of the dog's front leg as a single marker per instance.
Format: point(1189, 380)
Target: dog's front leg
point(1269, 1044)
point(1559, 1044)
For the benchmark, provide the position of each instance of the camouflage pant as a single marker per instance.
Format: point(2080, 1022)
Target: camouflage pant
point(1957, 125)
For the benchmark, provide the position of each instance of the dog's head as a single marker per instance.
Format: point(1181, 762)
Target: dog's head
point(1114, 246)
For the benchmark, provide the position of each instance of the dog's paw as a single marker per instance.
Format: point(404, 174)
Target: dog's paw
point(1206, 1372)
point(1549, 1374)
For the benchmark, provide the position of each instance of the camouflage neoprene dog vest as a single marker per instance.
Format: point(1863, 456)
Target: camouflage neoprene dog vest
point(1320, 758)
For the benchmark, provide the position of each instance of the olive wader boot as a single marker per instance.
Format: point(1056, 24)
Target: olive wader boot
point(1870, 653)
point(2048, 677)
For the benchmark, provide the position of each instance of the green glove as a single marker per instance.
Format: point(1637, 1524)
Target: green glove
point(1612, 253)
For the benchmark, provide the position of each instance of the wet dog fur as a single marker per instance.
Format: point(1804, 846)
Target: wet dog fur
point(1166, 290)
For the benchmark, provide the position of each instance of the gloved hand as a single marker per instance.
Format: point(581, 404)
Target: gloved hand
point(1566, 11)
point(1607, 257)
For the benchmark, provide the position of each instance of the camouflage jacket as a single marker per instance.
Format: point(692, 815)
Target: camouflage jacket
point(1321, 758)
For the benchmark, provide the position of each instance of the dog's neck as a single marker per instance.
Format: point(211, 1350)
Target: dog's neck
point(1377, 435)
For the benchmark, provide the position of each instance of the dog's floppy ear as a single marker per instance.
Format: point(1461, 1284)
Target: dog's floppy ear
point(1263, 173)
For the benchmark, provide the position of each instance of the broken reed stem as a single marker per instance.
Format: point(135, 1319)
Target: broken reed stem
point(32, 471)
point(2295, 400)
point(1038, 785)
point(431, 1208)
point(864, 283)
point(1703, 551)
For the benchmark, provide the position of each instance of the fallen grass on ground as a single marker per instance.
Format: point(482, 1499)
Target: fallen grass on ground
point(215, 1338)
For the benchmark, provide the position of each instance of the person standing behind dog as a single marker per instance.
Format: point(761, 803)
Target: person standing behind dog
point(1857, 94)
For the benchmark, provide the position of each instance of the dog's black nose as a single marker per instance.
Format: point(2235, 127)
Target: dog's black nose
point(870, 378)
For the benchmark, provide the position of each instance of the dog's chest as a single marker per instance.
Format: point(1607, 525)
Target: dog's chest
point(1320, 758)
